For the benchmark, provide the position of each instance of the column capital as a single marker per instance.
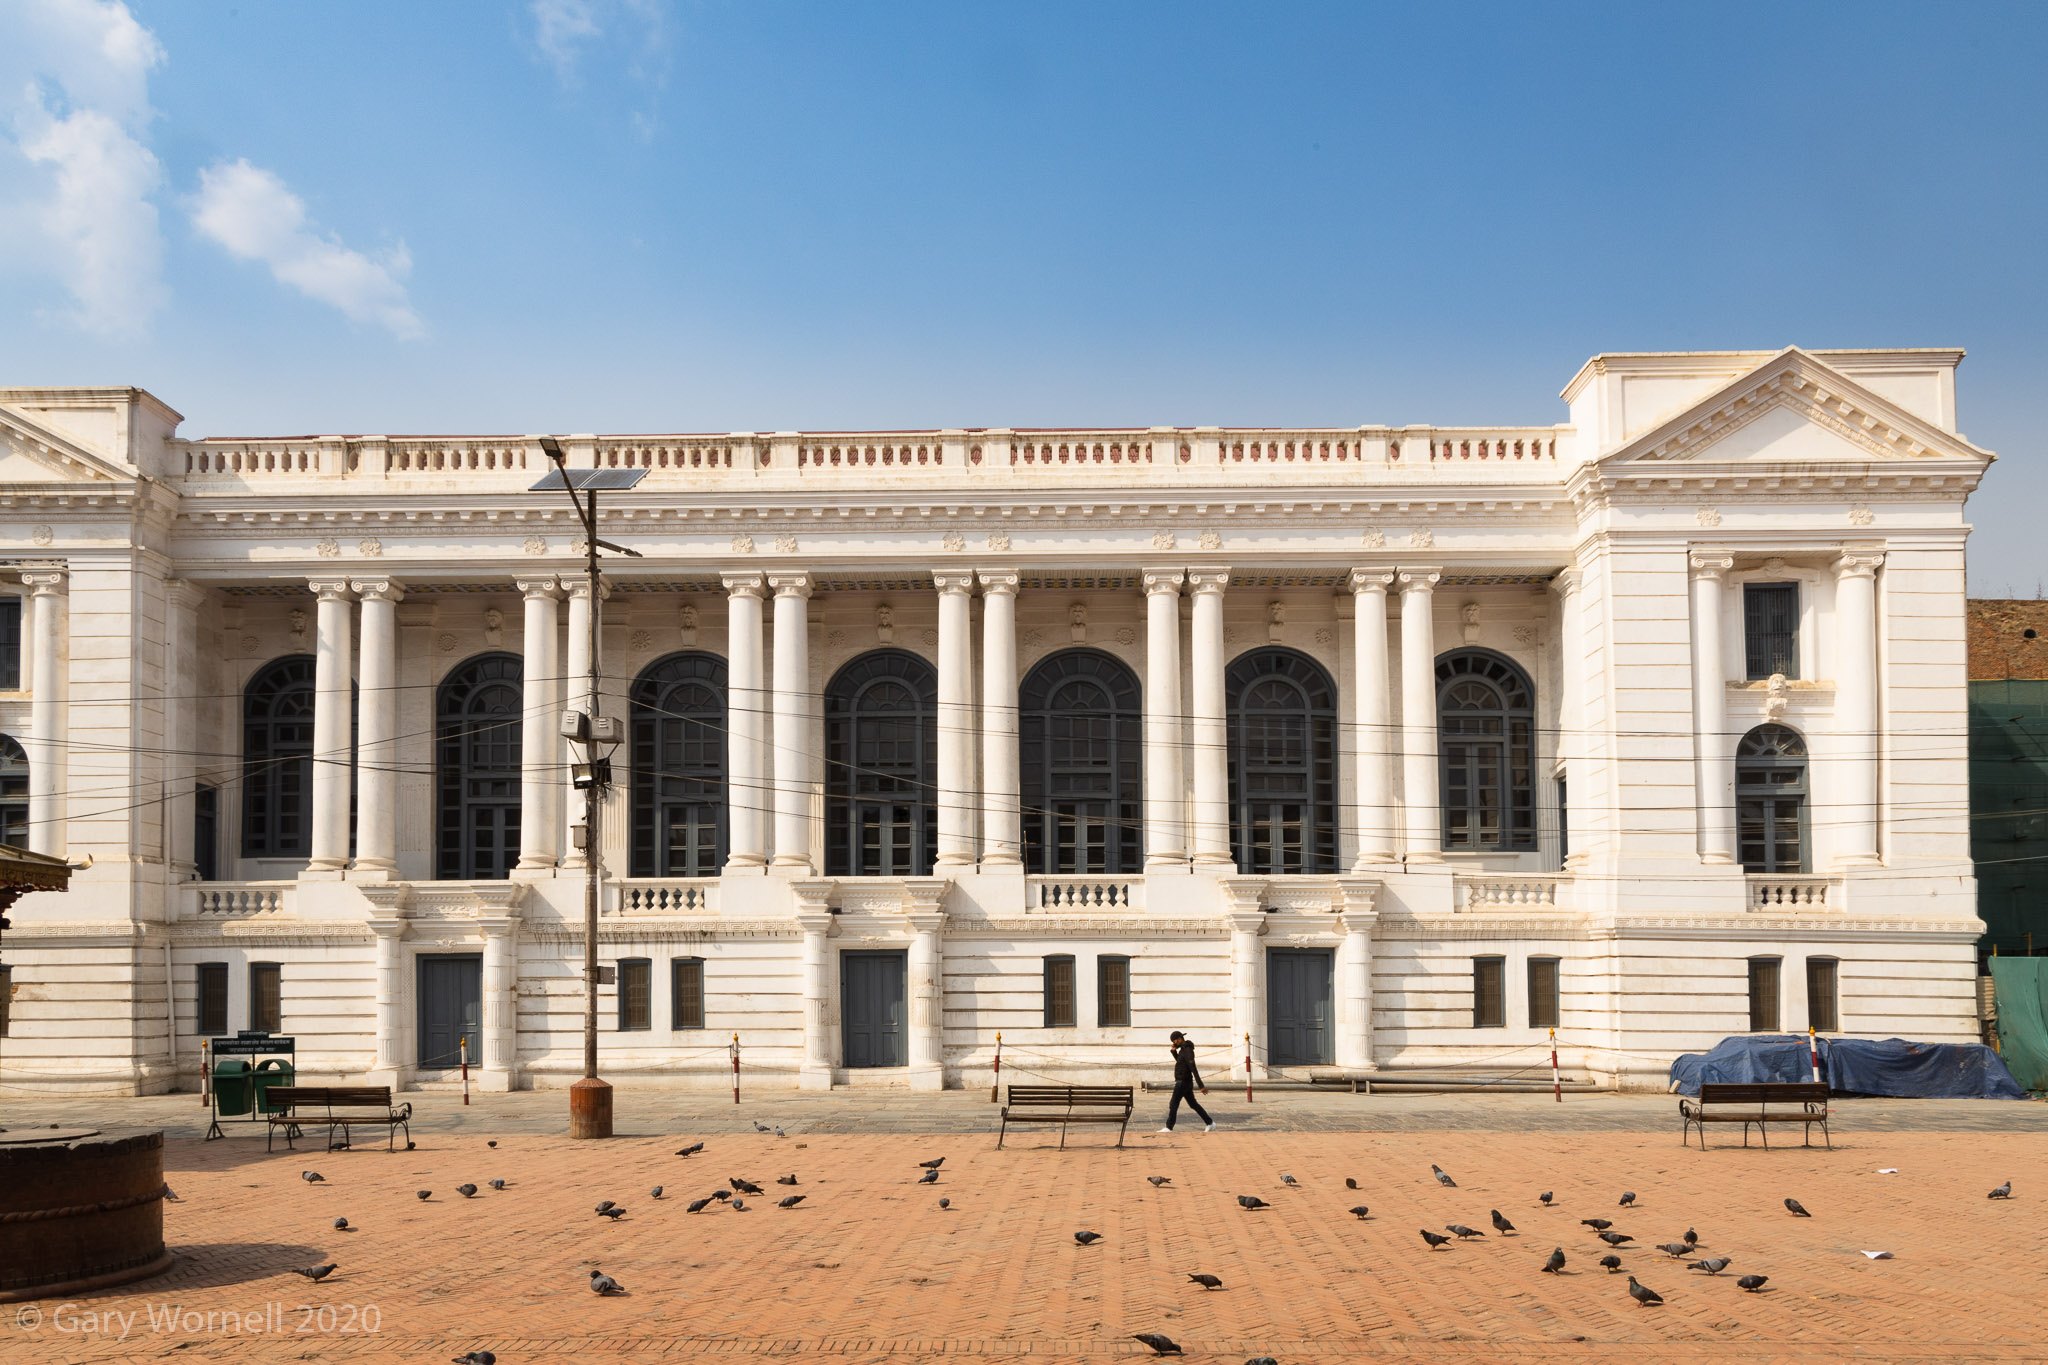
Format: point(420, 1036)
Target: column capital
point(1208, 580)
point(1251, 922)
point(1709, 565)
point(46, 579)
point(1420, 580)
point(953, 580)
point(998, 581)
point(1162, 580)
point(378, 589)
point(1360, 896)
point(1371, 580)
point(532, 588)
point(329, 589)
point(823, 923)
point(793, 584)
point(579, 588)
point(813, 895)
point(744, 584)
point(1859, 561)
point(1567, 582)
point(183, 592)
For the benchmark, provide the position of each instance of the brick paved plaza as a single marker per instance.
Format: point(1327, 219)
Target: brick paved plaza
point(868, 1267)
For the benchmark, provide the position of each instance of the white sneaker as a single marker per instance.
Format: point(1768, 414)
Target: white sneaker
point(1208, 1127)
point(1166, 1131)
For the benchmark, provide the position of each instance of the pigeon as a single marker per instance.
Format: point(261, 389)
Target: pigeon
point(928, 1178)
point(316, 1272)
point(1544, 1198)
point(1349, 1183)
point(1086, 1238)
point(423, 1195)
point(790, 1202)
point(778, 1131)
point(409, 1145)
point(721, 1195)
point(744, 1186)
point(1613, 1263)
point(1358, 1211)
point(341, 1225)
point(605, 1205)
point(1556, 1261)
point(313, 1177)
point(739, 1206)
point(1627, 1197)
point(1287, 1179)
point(1443, 1179)
point(761, 1127)
point(1500, 1224)
point(601, 1283)
point(1207, 1281)
point(1692, 1238)
point(789, 1179)
point(1642, 1293)
point(696, 1205)
point(1435, 1239)
point(1798, 1209)
point(1675, 1250)
point(1713, 1265)
point(945, 1203)
point(477, 1357)
point(1262, 1360)
point(1252, 1201)
point(654, 1193)
point(1161, 1345)
point(2002, 1192)
point(492, 1143)
point(466, 1190)
point(615, 1213)
point(1597, 1224)
point(1615, 1239)
point(172, 1195)
point(690, 1150)
point(496, 1184)
point(1752, 1283)
point(933, 1164)
point(1462, 1230)
point(1155, 1181)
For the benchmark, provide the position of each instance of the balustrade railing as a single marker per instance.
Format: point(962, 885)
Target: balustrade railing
point(1052, 449)
point(669, 896)
point(1769, 891)
point(1056, 894)
point(1510, 891)
point(251, 459)
point(1472, 443)
point(237, 900)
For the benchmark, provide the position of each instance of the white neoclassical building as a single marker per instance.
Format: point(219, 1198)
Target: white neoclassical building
point(1383, 746)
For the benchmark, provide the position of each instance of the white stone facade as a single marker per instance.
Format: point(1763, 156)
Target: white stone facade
point(1606, 559)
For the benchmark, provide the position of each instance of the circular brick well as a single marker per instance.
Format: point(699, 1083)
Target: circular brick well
point(79, 1209)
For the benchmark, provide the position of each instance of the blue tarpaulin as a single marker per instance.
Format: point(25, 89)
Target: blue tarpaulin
point(1853, 1066)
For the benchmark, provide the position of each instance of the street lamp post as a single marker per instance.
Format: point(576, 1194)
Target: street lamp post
point(590, 1099)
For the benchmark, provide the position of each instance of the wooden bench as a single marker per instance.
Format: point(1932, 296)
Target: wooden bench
point(337, 1107)
point(1762, 1104)
point(1065, 1104)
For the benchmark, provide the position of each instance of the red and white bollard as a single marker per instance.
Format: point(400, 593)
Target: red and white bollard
point(1813, 1053)
point(1247, 1068)
point(996, 1083)
point(1556, 1084)
point(735, 1068)
point(462, 1046)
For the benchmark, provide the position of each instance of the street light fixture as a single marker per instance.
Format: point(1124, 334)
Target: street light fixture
point(590, 1099)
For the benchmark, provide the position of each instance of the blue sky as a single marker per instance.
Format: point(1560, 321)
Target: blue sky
point(651, 215)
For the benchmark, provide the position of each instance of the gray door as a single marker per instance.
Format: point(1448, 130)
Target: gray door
point(1298, 1009)
point(872, 1009)
point(451, 1007)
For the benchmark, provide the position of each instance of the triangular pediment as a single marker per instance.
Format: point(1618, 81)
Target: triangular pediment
point(1793, 409)
point(33, 454)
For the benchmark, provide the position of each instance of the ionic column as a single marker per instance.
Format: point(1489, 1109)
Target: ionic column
point(1002, 832)
point(1714, 769)
point(1373, 713)
point(1354, 974)
point(926, 990)
point(792, 677)
point(1856, 717)
point(500, 1036)
point(47, 720)
point(1209, 731)
point(576, 694)
point(1165, 844)
point(817, 923)
point(1247, 990)
point(1571, 701)
point(388, 924)
point(955, 798)
point(332, 695)
point(1418, 716)
point(540, 784)
point(377, 730)
point(747, 793)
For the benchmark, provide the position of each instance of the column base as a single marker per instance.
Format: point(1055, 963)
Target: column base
point(1215, 862)
point(524, 871)
point(1716, 860)
point(397, 1077)
point(590, 1109)
point(492, 1080)
point(1165, 862)
point(373, 872)
point(574, 862)
point(745, 865)
point(953, 862)
point(1000, 862)
point(794, 864)
point(812, 1076)
point(1365, 861)
point(1423, 859)
point(323, 872)
point(928, 1076)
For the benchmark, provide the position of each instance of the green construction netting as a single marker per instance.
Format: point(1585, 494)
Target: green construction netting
point(2022, 987)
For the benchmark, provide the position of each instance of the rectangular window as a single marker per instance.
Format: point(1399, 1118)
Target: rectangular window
point(1823, 1010)
point(6, 995)
point(1564, 823)
point(10, 643)
point(1543, 1007)
point(686, 992)
point(1059, 991)
point(1489, 989)
point(1770, 628)
point(1112, 992)
point(213, 1000)
point(266, 997)
point(1763, 994)
point(206, 832)
point(636, 994)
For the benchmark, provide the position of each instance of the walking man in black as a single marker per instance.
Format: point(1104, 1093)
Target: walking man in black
point(1187, 1079)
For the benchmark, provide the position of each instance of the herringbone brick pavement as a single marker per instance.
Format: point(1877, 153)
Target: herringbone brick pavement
point(869, 1268)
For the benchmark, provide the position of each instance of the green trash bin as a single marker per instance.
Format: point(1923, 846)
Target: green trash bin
point(271, 1071)
point(232, 1091)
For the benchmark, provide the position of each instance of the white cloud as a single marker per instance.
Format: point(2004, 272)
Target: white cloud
point(632, 33)
point(560, 29)
point(74, 118)
point(255, 216)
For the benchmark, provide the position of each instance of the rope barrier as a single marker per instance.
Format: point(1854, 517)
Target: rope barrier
point(79, 1210)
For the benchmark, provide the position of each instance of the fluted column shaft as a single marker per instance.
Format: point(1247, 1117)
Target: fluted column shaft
point(1247, 990)
point(956, 795)
point(927, 1009)
point(377, 731)
point(1354, 991)
point(390, 1002)
point(1714, 769)
point(500, 1037)
point(816, 1071)
point(1372, 712)
point(792, 676)
point(1002, 832)
point(47, 708)
point(1418, 716)
point(1856, 714)
point(1209, 731)
point(332, 689)
point(1165, 798)
point(748, 793)
point(540, 783)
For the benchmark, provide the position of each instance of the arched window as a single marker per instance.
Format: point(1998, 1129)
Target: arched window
point(881, 767)
point(1080, 734)
point(1282, 709)
point(679, 767)
point(13, 793)
point(277, 759)
point(1486, 734)
point(1770, 799)
point(478, 714)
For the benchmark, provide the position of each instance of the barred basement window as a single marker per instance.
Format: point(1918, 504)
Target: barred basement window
point(636, 994)
point(1489, 991)
point(686, 992)
point(1059, 991)
point(1823, 1000)
point(1770, 629)
point(13, 792)
point(1543, 1005)
point(1763, 994)
point(1112, 992)
point(213, 1000)
point(6, 995)
point(10, 643)
point(266, 997)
